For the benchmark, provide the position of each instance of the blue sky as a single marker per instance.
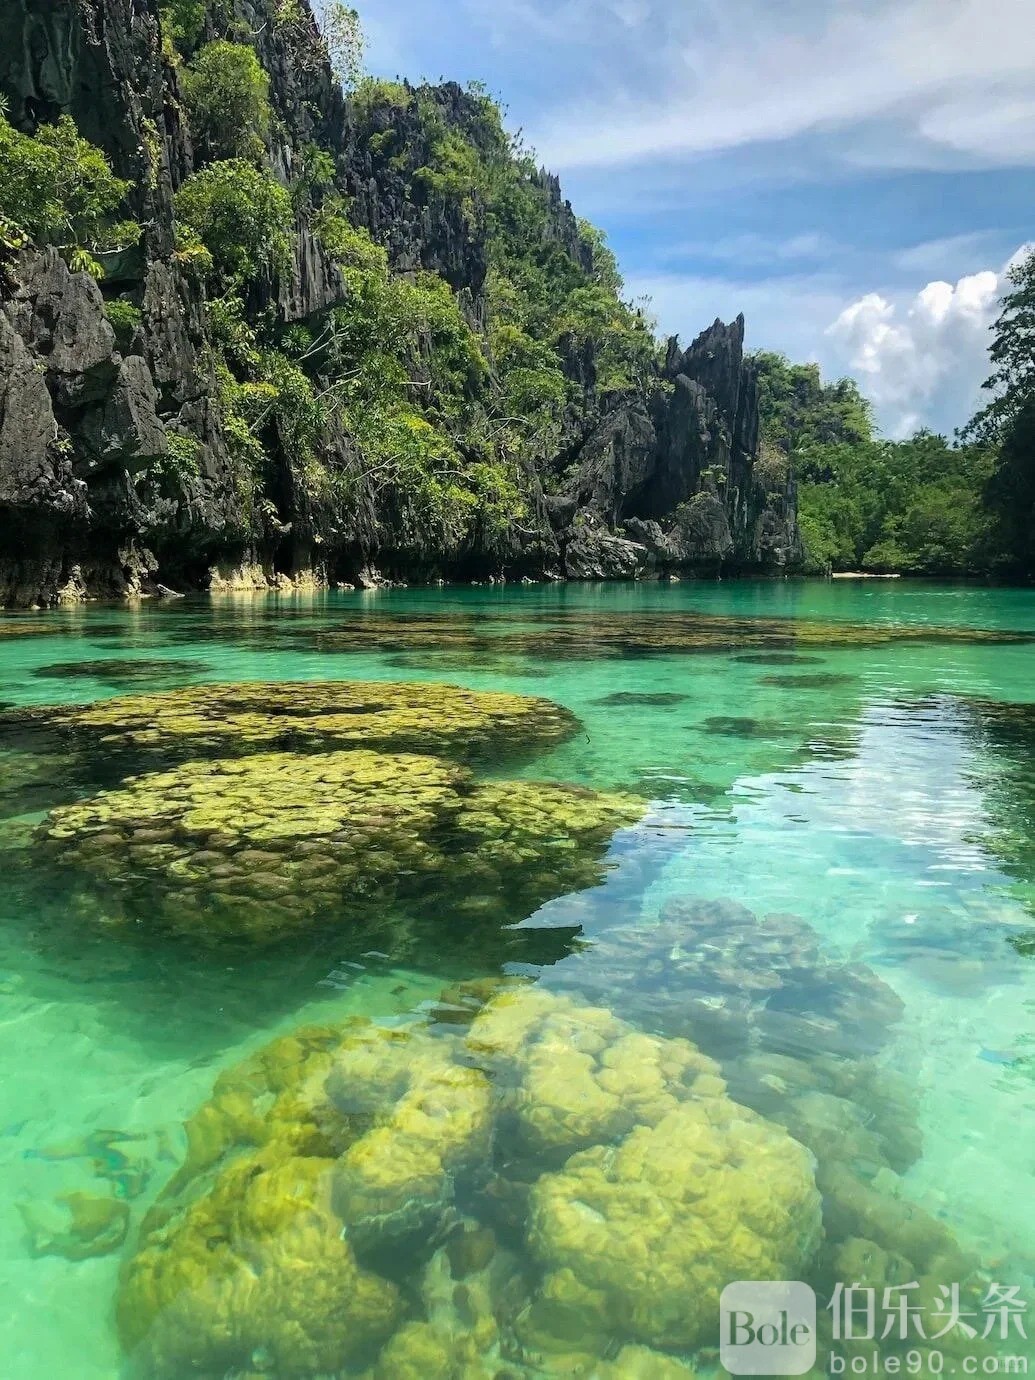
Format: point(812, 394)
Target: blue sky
point(853, 175)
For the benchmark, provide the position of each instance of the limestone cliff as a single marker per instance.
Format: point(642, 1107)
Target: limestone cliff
point(633, 475)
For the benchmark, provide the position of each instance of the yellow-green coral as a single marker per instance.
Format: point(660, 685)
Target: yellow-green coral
point(256, 848)
point(257, 1266)
point(320, 716)
point(641, 1363)
point(652, 1230)
point(28, 627)
point(575, 1075)
point(316, 1222)
point(433, 1118)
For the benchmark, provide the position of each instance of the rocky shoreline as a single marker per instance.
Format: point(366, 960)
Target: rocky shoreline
point(123, 465)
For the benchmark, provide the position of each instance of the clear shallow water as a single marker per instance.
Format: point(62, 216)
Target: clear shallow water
point(862, 784)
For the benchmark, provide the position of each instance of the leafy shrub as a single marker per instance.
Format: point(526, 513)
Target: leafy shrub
point(191, 253)
point(374, 93)
point(124, 318)
point(184, 452)
point(349, 245)
point(314, 175)
point(58, 189)
point(171, 473)
point(183, 22)
point(226, 95)
point(772, 467)
point(241, 215)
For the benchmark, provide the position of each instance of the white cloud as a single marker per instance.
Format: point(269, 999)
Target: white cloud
point(750, 250)
point(920, 355)
point(949, 74)
point(948, 255)
point(922, 360)
point(1001, 133)
point(786, 313)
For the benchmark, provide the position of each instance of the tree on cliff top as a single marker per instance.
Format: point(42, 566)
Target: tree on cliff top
point(226, 94)
point(1008, 420)
point(800, 411)
point(1012, 352)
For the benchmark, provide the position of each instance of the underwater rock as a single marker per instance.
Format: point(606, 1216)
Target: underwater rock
point(731, 980)
point(31, 781)
point(434, 1121)
point(194, 721)
point(777, 659)
point(84, 1226)
point(657, 700)
point(470, 1249)
point(823, 680)
point(572, 1075)
point(117, 671)
point(950, 1338)
point(584, 634)
point(12, 626)
point(855, 1111)
point(642, 1363)
point(960, 950)
point(259, 848)
point(258, 1266)
point(731, 726)
point(548, 1192)
point(878, 1210)
point(466, 663)
point(332, 1211)
point(652, 1230)
point(420, 1351)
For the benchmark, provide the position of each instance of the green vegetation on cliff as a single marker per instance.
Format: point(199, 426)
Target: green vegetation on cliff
point(1007, 423)
point(915, 506)
point(57, 189)
point(923, 505)
point(359, 335)
point(416, 383)
point(557, 325)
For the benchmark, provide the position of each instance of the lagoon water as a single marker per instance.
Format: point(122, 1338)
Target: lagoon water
point(860, 757)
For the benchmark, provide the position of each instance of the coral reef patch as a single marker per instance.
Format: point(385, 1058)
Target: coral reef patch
point(733, 981)
point(260, 848)
point(411, 1201)
point(593, 636)
point(537, 1190)
point(128, 671)
point(444, 720)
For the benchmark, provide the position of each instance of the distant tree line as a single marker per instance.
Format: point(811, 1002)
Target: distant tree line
point(927, 505)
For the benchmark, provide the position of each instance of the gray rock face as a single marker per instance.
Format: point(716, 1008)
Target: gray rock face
point(33, 473)
point(594, 553)
point(675, 471)
point(95, 498)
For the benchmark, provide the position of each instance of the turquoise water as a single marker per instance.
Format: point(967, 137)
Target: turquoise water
point(856, 756)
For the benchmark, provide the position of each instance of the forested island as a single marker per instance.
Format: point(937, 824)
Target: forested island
point(268, 322)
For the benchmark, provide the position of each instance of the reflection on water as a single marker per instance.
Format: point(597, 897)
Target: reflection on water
point(504, 1097)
